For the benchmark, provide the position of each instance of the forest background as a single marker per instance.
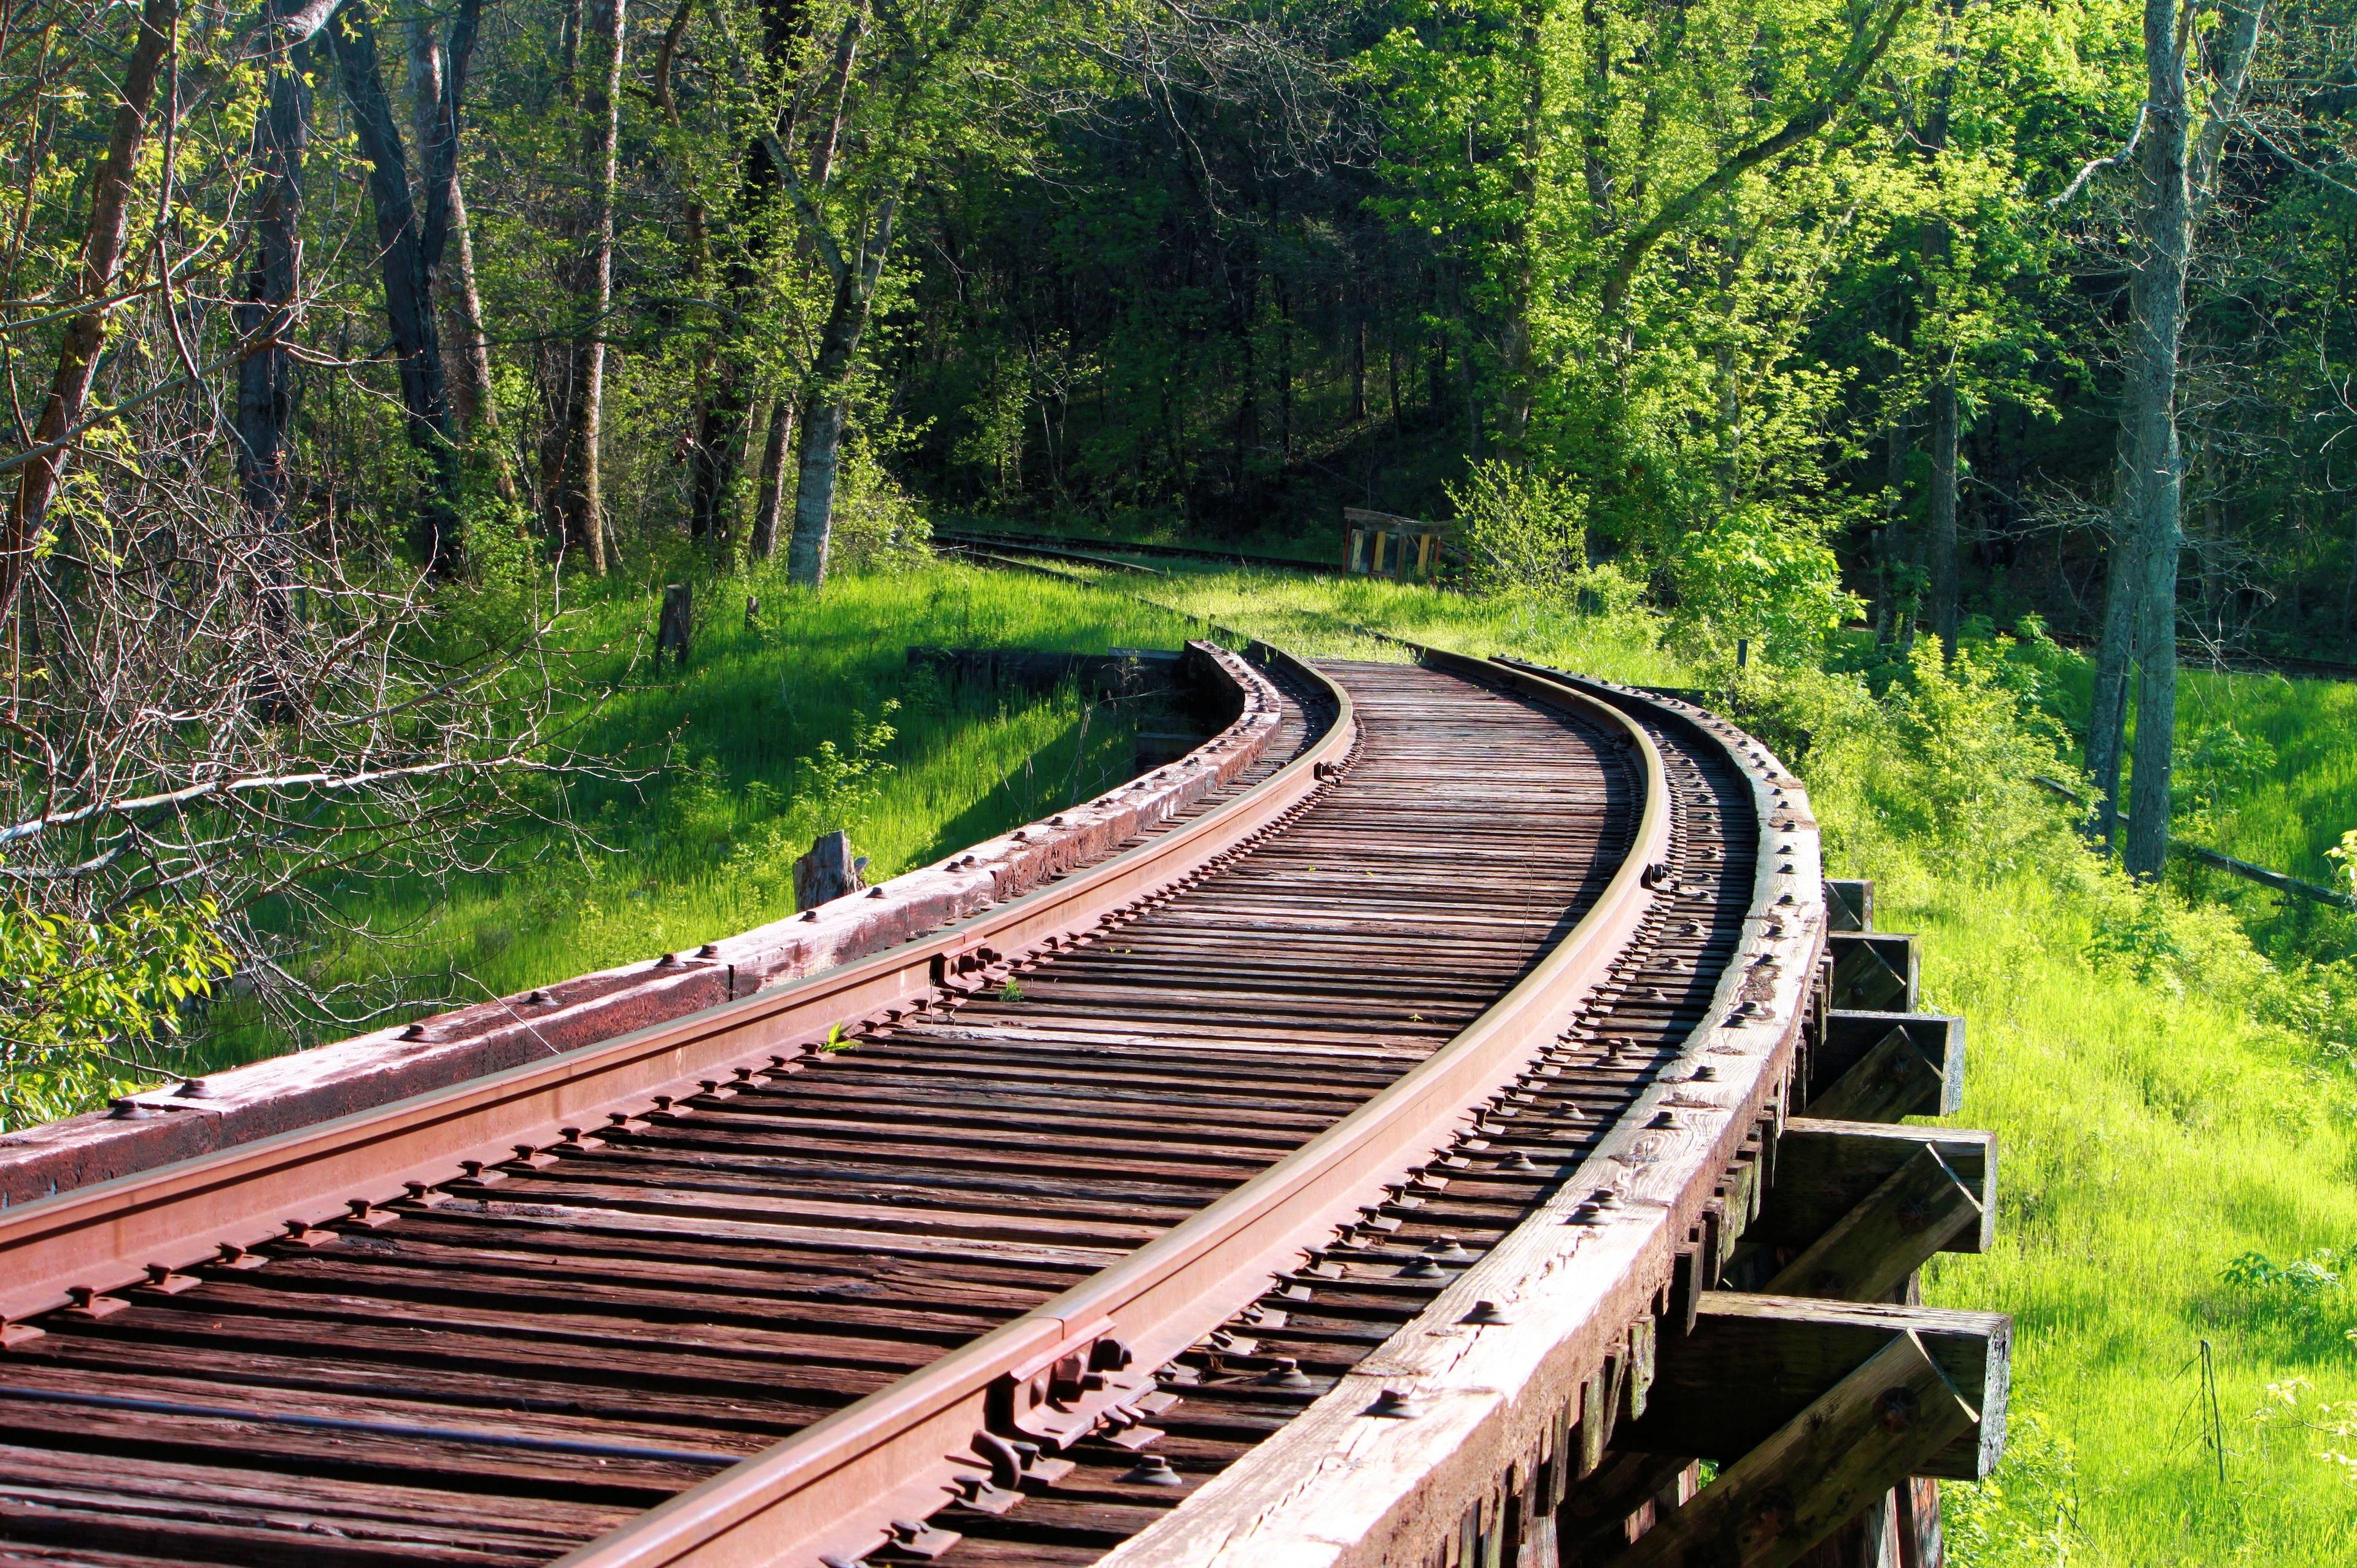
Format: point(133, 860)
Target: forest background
point(372, 363)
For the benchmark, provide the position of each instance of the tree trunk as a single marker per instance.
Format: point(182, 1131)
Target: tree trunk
point(102, 260)
point(270, 301)
point(830, 386)
point(1358, 353)
point(407, 272)
point(433, 95)
point(580, 498)
point(1519, 368)
point(773, 473)
point(1942, 545)
point(2115, 648)
point(1940, 534)
point(720, 434)
point(1284, 295)
point(2149, 426)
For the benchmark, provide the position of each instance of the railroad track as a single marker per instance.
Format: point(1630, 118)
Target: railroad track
point(1116, 1212)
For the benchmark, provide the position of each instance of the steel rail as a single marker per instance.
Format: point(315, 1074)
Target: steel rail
point(833, 1488)
point(115, 1233)
point(1661, 1158)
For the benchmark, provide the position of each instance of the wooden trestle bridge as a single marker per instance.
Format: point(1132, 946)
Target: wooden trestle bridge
point(1437, 1121)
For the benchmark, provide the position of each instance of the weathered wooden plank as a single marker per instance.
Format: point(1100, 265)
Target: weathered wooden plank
point(1876, 970)
point(1870, 1252)
point(1892, 1081)
point(1824, 1168)
point(1850, 1033)
point(1850, 1446)
point(1850, 904)
point(1754, 1362)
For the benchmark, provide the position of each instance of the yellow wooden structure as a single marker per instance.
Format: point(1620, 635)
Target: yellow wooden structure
point(1384, 544)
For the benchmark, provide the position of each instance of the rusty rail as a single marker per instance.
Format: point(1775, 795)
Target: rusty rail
point(112, 1234)
point(833, 1488)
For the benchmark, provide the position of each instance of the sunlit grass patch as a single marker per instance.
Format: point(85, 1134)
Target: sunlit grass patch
point(703, 846)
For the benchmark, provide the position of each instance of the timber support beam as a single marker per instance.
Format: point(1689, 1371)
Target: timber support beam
point(1850, 904)
point(1858, 1208)
point(1841, 1453)
point(1879, 1066)
point(1874, 970)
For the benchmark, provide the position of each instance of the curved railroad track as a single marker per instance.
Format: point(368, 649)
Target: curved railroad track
point(1322, 1162)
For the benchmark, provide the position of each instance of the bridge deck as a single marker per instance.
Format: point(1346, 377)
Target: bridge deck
point(511, 1363)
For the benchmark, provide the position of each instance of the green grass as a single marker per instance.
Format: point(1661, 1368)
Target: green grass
point(704, 846)
point(1331, 616)
point(2151, 1131)
point(2281, 805)
point(2287, 812)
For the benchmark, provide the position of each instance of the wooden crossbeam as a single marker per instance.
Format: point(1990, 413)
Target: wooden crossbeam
point(1850, 1033)
point(1826, 1168)
point(1892, 1081)
point(1850, 904)
point(1894, 1084)
point(1753, 1362)
point(1869, 1432)
point(1868, 1253)
point(1873, 970)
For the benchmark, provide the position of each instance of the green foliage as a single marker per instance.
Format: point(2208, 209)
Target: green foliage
point(2215, 765)
point(1755, 574)
point(1524, 533)
point(1947, 757)
point(879, 526)
point(2305, 1287)
point(81, 1002)
point(2026, 1514)
point(806, 719)
point(834, 788)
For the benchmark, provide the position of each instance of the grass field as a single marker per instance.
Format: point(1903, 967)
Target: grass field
point(2282, 807)
point(2156, 1123)
point(704, 846)
point(2267, 770)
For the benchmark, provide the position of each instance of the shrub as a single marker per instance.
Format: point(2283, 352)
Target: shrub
point(879, 526)
point(1753, 575)
point(81, 1001)
point(1525, 533)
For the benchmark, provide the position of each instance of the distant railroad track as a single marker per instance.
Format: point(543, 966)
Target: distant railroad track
point(1408, 1097)
point(1106, 552)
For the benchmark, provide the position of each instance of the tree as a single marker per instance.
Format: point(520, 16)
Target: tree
point(2179, 147)
point(578, 498)
point(42, 466)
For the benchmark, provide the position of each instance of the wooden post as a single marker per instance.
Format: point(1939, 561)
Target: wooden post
point(828, 872)
point(1864, 1435)
point(671, 633)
